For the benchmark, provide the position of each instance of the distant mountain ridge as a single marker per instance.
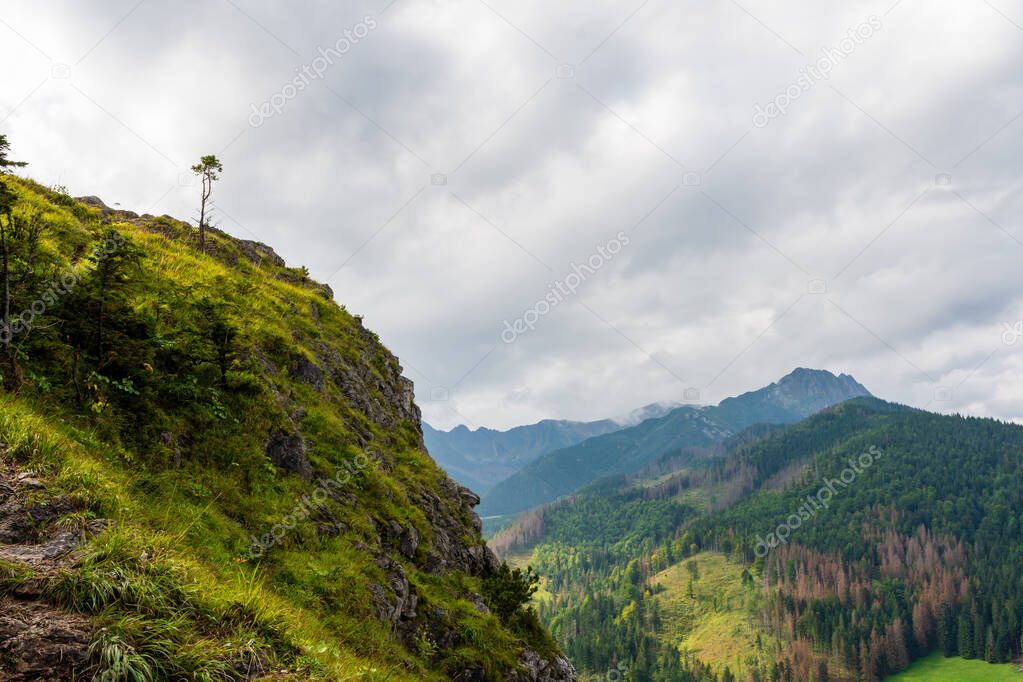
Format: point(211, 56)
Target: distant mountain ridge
point(651, 411)
point(797, 395)
point(479, 458)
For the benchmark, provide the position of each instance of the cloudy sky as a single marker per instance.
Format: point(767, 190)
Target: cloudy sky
point(661, 200)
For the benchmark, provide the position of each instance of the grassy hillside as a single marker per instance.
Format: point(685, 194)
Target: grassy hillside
point(240, 461)
point(709, 607)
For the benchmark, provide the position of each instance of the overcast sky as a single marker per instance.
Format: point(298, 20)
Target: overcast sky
point(443, 164)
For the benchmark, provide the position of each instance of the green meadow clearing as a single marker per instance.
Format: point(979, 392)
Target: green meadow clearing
point(711, 617)
point(937, 668)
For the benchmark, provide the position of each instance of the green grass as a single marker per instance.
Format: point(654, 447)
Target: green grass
point(155, 586)
point(715, 623)
point(937, 668)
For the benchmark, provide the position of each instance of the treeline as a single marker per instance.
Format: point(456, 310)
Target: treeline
point(607, 518)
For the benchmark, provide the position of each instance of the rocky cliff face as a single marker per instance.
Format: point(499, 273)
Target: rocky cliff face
point(454, 544)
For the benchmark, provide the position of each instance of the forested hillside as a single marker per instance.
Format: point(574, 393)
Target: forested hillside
point(874, 534)
point(564, 471)
point(922, 550)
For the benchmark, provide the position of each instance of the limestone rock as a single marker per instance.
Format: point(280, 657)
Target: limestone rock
point(288, 451)
point(537, 669)
point(41, 643)
point(308, 372)
point(257, 252)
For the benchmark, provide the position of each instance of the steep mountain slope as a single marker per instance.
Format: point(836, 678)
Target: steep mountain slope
point(212, 471)
point(478, 459)
point(794, 397)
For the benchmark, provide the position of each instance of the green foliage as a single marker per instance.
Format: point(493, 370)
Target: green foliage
point(209, 167)
point(116, 659)
point(12, 575)
point(7, 164)
point(508, 589)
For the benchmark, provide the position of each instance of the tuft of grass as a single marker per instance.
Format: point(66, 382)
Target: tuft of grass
point(12, 576)
point(138, 648)
point(116, 660)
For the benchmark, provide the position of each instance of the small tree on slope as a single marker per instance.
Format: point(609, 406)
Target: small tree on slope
point(208, 168)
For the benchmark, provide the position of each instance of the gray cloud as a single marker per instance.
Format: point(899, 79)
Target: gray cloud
point(650, 132)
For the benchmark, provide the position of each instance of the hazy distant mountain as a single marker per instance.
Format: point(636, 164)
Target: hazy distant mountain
point(482, 457)
point(795, 396)
point(479, 459)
